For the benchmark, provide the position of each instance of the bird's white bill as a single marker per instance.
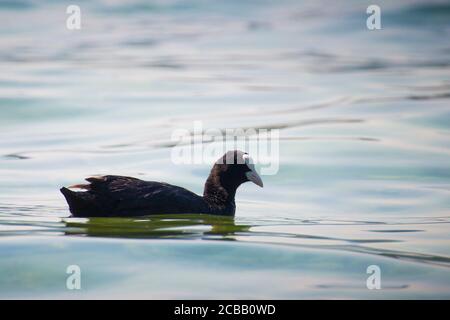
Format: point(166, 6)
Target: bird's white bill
point(255, 178)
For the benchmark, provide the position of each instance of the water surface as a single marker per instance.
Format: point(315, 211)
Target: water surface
point(364, 119)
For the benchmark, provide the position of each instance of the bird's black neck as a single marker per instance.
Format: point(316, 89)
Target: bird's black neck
point(219, 191)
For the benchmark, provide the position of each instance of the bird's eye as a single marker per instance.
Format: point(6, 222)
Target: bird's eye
point(249, 162)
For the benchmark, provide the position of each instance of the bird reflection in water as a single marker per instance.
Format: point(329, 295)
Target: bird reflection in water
point(180, 226)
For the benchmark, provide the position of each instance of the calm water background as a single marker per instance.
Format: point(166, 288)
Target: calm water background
point(365, 143)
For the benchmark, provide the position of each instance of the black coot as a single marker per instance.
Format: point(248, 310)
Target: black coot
point(118, 196)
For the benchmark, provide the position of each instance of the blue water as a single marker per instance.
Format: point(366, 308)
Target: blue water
point(364, 119)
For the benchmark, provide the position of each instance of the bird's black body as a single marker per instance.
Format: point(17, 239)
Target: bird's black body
point(112, 196)
point(125, 196)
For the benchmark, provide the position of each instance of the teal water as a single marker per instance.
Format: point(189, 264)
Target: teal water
point(364, 119)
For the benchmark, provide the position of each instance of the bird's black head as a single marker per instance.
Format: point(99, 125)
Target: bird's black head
point(228, 173)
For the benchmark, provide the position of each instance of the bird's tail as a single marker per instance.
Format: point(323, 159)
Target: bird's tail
point(80, 203)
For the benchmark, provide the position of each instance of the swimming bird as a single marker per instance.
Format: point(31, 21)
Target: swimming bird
point(119, 196)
